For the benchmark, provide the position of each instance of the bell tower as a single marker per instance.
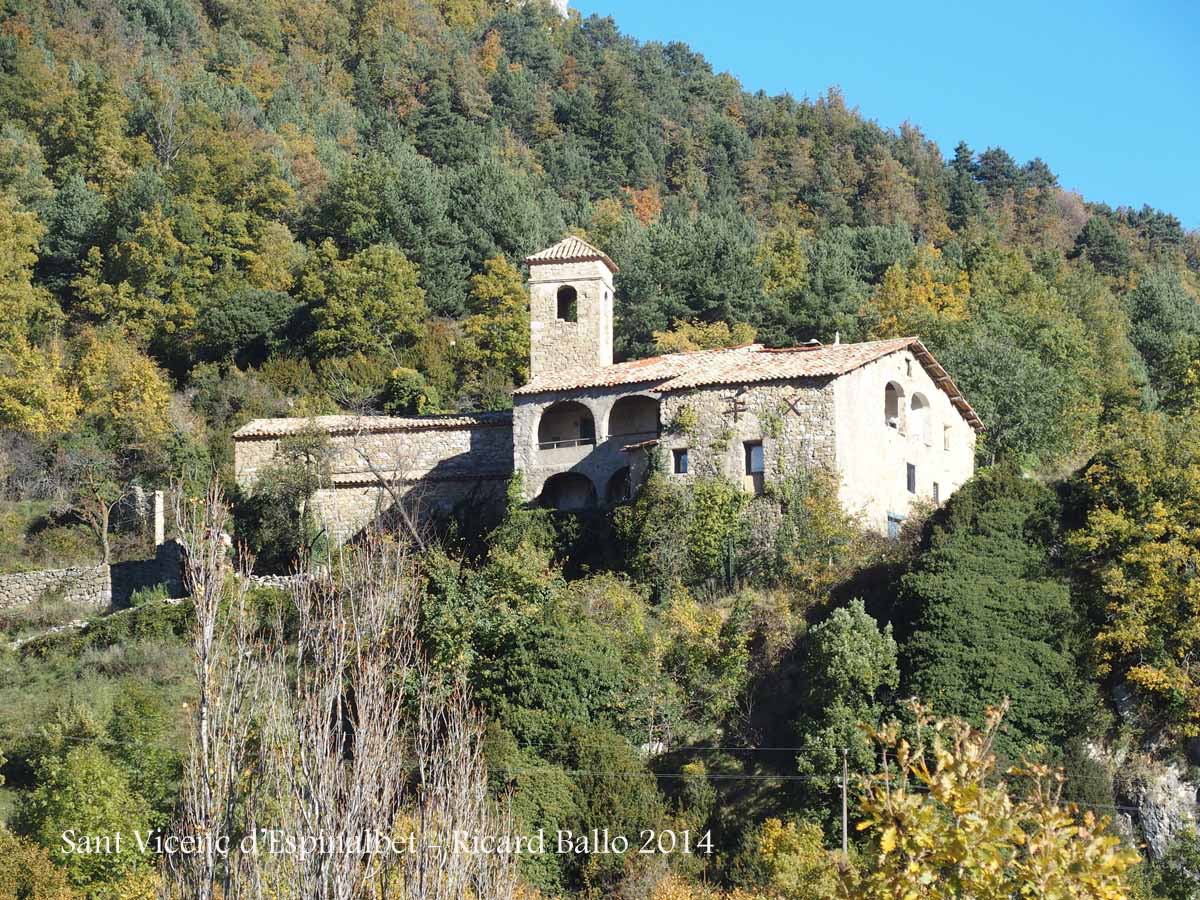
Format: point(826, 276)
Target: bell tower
point(570, 308)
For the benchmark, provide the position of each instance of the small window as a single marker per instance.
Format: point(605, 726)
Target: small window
point(567, 303)
point(937, 494)
point(754, 458)
point(680, 459)
point(912, 478)
point(908, 367)
point(895, 523)
point(945, 437)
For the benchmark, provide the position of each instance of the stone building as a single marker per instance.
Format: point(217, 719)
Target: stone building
point(883, 416)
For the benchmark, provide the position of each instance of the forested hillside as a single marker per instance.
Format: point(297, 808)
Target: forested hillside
point(213, 211)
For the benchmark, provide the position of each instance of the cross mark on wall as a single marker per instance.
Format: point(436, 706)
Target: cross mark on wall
point(794, 404)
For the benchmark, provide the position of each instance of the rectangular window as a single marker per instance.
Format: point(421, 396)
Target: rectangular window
point(894, 524)
point(912, 478)
point(937, 494)
point(945, 437)
point(680, 458)
point(754, 458)
point(752, 480)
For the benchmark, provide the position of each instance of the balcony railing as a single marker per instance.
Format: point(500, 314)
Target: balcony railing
point(572, 442)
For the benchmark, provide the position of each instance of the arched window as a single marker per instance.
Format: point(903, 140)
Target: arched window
point(568, 491)
point(920, 419)
point(893, 406)
point(636, 415)
point(566, 424)
point(568, 307)
point(620, 486)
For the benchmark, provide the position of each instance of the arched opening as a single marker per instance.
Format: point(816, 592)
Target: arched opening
point(568, 491)
point(893, 406)
point(634, 416)
point(568, 305)
point(620, 486)
point(566, 424)
point(920, 419)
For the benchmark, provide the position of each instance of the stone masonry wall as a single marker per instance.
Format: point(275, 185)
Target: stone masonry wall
point(432, 469)
point(794, 420)
point(557, 345)
point(79, 584)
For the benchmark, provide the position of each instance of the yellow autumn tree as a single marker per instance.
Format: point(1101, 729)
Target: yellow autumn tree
point(783, 260)
point(496, 333)
point(1139, 547)
point(789, 859)
point(685, 336)
point(941, 823)
point(36, 396)
point(25, 309)
point(926, 289)
point(26, 871)
point(121, 390)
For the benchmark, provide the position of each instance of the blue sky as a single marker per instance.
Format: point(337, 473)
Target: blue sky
point(1108, 94)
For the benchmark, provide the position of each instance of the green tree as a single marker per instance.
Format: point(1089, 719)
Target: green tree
point(279, 520)
point(990, 619)
point(1101, 245)
point(369, 303)
point(849, 673)
point(496, 333)
point(398, 196)
point(1165, 320)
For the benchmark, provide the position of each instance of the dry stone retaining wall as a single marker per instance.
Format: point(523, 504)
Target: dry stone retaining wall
point(78, 584)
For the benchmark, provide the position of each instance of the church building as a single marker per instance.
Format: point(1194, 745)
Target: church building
point(883, 416)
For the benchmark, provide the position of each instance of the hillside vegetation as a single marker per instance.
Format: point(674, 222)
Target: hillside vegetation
point(214, 211)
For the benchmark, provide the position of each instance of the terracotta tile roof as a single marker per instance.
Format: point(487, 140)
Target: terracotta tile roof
point(342, 425)
point(568, 250)
point(748, 365)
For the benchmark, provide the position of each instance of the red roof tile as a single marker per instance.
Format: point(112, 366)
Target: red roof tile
point(568, 250)
point(748, 365)
point(343, 425)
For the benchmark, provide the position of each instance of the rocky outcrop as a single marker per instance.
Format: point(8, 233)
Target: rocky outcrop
point(1158, 800)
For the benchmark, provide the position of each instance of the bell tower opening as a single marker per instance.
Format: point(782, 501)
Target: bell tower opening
point(570, 308)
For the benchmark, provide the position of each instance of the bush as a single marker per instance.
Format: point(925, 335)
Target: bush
point(26, 871)
point(406, 393)
point(145, 595)
point(87, 794)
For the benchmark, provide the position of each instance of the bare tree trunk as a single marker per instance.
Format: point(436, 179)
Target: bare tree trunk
point(332, 733)
point(366, 746)
point(218, 801)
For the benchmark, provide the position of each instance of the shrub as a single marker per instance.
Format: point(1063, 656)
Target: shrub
point(86, 793)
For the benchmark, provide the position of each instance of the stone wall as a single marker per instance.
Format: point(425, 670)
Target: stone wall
point(794, 421)
point(432, 466)
point(557, 345)
point(79, 584)
point(165, 569)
